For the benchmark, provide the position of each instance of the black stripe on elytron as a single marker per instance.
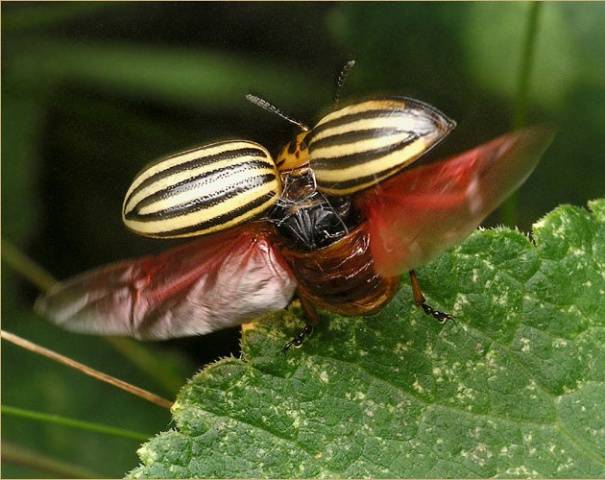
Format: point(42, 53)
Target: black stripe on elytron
point(364, 115)
point(204, 202)
point(193, 182)
point(195, 163)
point(221, 219)
point(304, 144)
point(354, 136)
point(359, 181)
point(339, 163)
point(179, 154)
point(198, 149)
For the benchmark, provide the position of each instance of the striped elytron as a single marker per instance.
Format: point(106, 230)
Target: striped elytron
point(202, 190)
point(360, 145)
point(334, 220)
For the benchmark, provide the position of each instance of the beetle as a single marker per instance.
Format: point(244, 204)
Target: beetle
point(334, 220)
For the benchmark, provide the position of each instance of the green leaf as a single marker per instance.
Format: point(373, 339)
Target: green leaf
point(39, 16)
point(183, 77)
point(514, 387)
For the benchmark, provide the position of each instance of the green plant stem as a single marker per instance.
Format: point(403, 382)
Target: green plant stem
point(15, 454)
point(527, 61)
point(138, 355)
point(73, 423)
point(25, 266)
point(509, 210)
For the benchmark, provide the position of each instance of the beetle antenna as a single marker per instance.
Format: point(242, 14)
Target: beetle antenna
point(340, 80)
point(269, 107)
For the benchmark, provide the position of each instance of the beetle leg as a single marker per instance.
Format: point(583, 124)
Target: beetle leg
point(419, 300)
point(311, 319)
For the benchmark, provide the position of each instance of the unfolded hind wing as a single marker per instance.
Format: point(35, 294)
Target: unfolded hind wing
point(206, 285)
point(422, 211)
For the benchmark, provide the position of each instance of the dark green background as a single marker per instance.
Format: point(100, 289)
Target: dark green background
point(93, 91)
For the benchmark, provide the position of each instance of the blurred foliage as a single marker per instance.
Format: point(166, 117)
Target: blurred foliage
point(93, 91)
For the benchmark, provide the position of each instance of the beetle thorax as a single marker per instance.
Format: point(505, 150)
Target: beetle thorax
point(295, 154)
point(307, 218)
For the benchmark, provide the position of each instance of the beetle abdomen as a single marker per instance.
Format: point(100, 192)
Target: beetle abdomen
point(341, 277)
point(202, 191)
point(360, 145)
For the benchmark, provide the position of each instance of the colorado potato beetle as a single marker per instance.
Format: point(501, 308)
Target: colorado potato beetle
point(334, 220)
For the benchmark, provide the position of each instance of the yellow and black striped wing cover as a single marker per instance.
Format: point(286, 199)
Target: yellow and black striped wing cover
point(201, 191)
point(360, 145)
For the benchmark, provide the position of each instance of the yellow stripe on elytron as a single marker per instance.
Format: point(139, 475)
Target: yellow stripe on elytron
point(394, 121)
point(227, 184)
point(401, 157)
point(202, 152)
point(363, 107)
point(360, 146)
point(193, 218)
point(223, 226)
point(184, 175)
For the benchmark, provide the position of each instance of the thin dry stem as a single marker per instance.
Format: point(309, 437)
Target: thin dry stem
point(139, 392)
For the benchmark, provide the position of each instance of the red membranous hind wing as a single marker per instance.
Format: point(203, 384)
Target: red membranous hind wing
point(206, 285)
point(417, 214)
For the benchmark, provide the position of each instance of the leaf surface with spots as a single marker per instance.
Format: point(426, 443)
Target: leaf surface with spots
point(515, 387)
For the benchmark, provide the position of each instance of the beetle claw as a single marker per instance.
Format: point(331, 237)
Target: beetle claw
point(298, 340)
point(441, 317)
